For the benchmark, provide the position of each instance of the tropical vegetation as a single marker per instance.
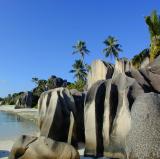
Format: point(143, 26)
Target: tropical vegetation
point(139, 58)
point(112, 47)
point(153, 22)
point(81, 48)
point(80, 69)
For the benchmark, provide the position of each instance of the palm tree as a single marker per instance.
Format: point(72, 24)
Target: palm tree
point(153, 22)
point(112, 47)
point(81, 48)
point(35, 80)
point(79, 70)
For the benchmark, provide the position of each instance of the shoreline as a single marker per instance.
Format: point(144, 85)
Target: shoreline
point(26, 114)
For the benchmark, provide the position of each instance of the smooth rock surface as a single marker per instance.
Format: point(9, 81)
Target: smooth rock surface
point(28, 147)
point(107, 115)
point(79, 104)
point(152, 74)
point(57, 115)
point(122, 65)
point(25, 101)
point(100, 70)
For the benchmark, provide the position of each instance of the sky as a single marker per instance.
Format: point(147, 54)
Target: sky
point(36, 36)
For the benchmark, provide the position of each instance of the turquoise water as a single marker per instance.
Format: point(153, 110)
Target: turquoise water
point(12, 126)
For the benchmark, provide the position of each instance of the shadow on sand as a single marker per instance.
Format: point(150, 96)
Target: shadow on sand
point(4, 153)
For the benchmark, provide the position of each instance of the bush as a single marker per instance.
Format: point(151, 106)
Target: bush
point(78, 85)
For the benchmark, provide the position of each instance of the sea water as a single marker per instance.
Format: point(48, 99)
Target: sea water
point(12, 126)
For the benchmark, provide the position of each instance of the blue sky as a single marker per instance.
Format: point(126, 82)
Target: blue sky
point(36, 36)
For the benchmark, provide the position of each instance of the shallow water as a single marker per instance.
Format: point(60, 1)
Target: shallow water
point(12, 126)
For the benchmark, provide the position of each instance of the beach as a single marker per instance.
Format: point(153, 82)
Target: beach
point(27, 114)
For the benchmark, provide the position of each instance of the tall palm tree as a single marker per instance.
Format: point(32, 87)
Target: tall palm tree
point(81, 48)
point(153, 22)
point(79, 70)
point(112, 47)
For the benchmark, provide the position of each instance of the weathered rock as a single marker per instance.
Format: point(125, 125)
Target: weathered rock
point(145, 62)
point(100, 70)
point(118, 103)
point(135, 74)
point(57, 115)
point(93, 119)
point(107, 116)
point(122, 65)
point(20, 146)
point(40, 148)
point(152, 74)
point(148, 77)
point(144, 137)
point(25, 101)
point(79, 103)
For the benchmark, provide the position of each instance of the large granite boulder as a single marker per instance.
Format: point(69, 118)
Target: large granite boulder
point(57, 115)
point(107, 116)
point(145, 62)
point(20, 146)
point(79, 104)
point(118, 104)
point(93, 119)
point(143, 140)
point(24, 101)
point(152, 74)
point(122, 65)
point(136, 74)
point(148, 77)
point(28, 147)
point(100, 70)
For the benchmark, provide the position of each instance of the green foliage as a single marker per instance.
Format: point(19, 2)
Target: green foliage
point(155, 48)
point(78, 85)
point(40, 88)
point(153, 22)
point(79, 70)
point(139, 58)
point(35, 80)
point(81, 48)
point(112, 47)
point(11, 99)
